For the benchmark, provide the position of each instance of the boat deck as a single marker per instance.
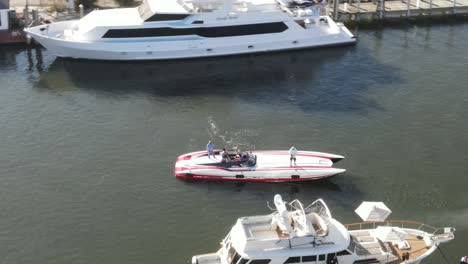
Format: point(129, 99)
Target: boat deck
point(417, 247)
point(366, 244)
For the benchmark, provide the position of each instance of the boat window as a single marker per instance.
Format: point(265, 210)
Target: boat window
point(231, 254)
point(351, 245)
point(366, 261)
point(309, 258)
point(260, 261)
point(208, 32)
point(321, 257)
point(343, 253)
point(293, 260)
point(331, 257)
point(166, 17)
point(235, 258)
point(243, 261)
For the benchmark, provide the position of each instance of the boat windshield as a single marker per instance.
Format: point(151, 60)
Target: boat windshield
point(319, 207)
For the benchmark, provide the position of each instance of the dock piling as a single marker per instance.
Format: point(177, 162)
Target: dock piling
point(35, 17)
point(408, 13)
point(26, 15)
point(382, 7)
point(81, 8)
point(358, 9)
point(335, 9)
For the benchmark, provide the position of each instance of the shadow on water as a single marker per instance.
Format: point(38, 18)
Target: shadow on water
point(329, 79)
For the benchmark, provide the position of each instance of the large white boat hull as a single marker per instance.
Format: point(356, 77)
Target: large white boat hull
point(271, 166)
point(51, 37)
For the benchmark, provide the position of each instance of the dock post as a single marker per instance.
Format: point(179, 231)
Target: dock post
point(336, 6)
point(26, 16)
point(430, 8)
point(35, 17)
point(81, 10)
point(382, 6)
point(408, 13)
point(454, 6)
point(358, 10)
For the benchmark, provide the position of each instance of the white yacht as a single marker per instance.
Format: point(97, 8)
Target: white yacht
point(174, 29)
point(297, 234)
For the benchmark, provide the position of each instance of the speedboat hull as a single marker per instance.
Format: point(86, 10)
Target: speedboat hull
point(269, 166)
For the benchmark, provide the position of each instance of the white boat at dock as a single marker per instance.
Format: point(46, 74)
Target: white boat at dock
point(257, 166)
point(176, 29)
point(297, 234)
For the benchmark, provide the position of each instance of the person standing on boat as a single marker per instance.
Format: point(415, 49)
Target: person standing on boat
point(292, 152)
point(210, 148)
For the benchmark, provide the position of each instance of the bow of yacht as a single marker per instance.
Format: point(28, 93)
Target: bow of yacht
point(170, 29)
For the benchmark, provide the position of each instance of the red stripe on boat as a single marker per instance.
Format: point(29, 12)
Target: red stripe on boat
point(220, 178)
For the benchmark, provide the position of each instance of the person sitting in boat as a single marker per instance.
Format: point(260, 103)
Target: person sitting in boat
point(225, 156)
point(237, 150)
point(237, 160)
point(244, 158)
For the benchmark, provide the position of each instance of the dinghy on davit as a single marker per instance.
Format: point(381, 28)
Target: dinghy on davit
point(257, 166)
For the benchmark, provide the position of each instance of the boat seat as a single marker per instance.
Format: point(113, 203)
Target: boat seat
point(363, 238)
point(320, 227)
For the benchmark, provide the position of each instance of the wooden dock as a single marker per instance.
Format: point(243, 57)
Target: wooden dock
point(357, 10)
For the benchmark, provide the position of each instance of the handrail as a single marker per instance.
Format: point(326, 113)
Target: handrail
point(399, 223)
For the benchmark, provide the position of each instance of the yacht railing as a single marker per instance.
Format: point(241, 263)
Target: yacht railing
point(397, 223)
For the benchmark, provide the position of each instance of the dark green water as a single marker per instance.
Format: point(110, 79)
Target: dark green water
point(87, 148)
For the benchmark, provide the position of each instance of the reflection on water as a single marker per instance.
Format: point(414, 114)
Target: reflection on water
point(304, 78)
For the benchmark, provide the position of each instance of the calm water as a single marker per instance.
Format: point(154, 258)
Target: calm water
point(87, 148)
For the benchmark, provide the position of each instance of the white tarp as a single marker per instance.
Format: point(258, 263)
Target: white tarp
point(373, 211)
point(390, 234)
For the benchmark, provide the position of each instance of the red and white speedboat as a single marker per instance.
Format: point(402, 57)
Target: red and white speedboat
point(257, 166)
